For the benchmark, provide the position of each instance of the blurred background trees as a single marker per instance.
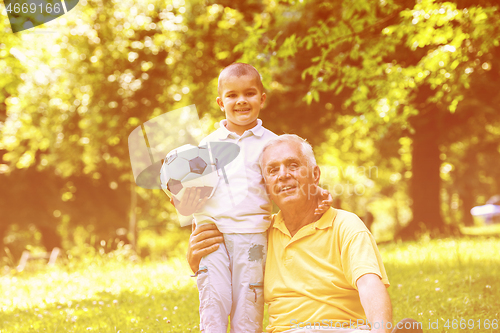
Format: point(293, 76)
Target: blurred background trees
point(399, 99)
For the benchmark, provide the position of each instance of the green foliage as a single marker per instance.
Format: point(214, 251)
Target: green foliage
point(401, 70)
point(111, 66)
point(363, 81)
point(168, 243)
point(10, 66)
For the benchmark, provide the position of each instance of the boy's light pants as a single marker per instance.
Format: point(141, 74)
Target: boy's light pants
point(230, 282)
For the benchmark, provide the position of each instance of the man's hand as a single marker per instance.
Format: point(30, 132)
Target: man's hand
point(376, 302)
point(191, 201)
point(325, 201)
point(203, 240)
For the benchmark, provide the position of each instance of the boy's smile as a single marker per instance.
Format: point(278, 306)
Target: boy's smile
point(241, 100)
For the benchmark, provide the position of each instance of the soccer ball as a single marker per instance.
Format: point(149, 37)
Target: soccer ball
point(188, 166)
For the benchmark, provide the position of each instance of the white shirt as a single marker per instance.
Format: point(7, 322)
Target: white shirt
point(241, 205)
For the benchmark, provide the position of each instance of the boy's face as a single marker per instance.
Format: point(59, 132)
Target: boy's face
point(241, 100)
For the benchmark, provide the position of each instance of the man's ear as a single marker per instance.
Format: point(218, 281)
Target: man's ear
point(316, 174)
point(220, 103)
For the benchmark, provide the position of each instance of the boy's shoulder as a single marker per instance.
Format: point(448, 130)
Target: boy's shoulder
point(214, 136)
point(269, 133)
point(261, 132)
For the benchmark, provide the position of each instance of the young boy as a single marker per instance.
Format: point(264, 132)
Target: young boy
point(230, 280)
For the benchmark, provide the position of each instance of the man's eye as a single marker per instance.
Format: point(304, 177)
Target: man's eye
point(271, 171)
point(293, 166)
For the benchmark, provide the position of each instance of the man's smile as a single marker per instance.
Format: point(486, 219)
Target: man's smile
point(286, 188)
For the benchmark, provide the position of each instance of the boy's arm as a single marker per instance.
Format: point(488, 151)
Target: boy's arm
point(191, 201)
point(325, 203)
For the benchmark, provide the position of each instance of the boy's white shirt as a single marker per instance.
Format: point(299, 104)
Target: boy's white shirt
point(242, 206)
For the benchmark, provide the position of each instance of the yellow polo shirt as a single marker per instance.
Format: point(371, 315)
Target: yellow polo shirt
point(311, 277)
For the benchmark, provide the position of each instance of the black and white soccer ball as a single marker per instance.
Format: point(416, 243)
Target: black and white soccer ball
point(188, 166)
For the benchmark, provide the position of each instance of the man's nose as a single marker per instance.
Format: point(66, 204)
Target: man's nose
point(283, 173)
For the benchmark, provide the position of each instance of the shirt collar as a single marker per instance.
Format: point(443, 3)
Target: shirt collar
point(258, 130)
point(327, 219)
point(279, 223)
point(324, 222)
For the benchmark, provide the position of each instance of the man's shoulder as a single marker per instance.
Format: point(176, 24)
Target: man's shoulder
point(346, 215)
point(348, 223)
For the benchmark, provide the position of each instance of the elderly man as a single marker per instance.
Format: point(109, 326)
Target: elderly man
point(323, 273)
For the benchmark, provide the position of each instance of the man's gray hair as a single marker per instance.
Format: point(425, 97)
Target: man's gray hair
point(305, 147)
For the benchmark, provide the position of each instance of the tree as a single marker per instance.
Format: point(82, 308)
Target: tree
point(10, 78)
point(114, 66)
point(371, 76)
point(405, 66)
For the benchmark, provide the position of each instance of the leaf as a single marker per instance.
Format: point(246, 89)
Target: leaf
point(308, 97)
point(315, 95)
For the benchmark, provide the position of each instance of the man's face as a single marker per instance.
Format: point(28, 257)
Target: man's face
point(241, 100)
point(290, 178)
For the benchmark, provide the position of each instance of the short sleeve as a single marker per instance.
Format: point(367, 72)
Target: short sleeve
point(360, 256)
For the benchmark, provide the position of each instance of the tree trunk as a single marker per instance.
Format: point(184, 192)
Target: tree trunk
point(50, 237)
point(132, 225)
point(468, 179)
point(4, 226)
point(466, 206)
point(426, 180)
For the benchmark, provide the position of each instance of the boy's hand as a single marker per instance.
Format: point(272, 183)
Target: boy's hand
point(191, 201)
point(325, 202)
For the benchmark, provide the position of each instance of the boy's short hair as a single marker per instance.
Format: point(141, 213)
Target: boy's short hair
point(239, 69)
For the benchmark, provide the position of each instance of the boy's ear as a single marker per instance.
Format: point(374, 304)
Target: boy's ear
point(220, 103)
point(263, 99)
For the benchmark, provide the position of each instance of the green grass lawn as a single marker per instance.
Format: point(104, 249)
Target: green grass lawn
point(454, 280)
point(448, 282)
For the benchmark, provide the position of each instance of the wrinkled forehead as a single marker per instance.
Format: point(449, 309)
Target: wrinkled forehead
point(282, 152)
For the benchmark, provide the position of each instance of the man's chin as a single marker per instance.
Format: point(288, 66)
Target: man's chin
point(286, 199)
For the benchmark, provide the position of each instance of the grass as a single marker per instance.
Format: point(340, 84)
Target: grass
point(432, 281)
point(446, 281)
point(101, 295)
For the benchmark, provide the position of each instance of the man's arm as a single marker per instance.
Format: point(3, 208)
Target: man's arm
point(376, 302)
point(203, 240)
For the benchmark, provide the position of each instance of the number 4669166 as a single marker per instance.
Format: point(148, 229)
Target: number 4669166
point(33, 8)
point(471, 324)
